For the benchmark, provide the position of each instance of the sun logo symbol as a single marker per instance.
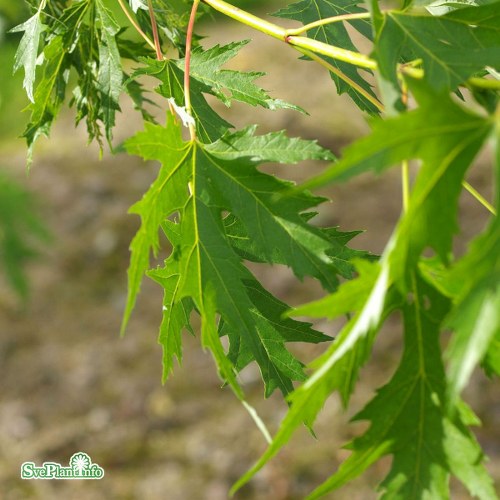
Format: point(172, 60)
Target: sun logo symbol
point(79, 462)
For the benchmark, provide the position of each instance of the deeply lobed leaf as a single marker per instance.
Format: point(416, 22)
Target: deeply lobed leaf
point(205, 270)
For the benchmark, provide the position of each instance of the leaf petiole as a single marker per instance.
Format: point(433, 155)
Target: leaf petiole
point(343, 76)
point(479, 197)
point(154, 27)
point(327, 20)
point(136, 26)
point(187, 89)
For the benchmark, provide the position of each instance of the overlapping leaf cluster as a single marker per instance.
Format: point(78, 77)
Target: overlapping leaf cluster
point(220, 170)
point(418, 416)
point(79, 46)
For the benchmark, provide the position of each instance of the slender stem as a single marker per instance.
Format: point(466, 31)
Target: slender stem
point(154, 27)
point(479, 197)
point(484, 83)
point(248, 19)
point(348, 56)
point(343, 76)
point(187, 86)
point(405, 183)
point(405, 166)
point(134, 23)
point(282, 34)
point(327, 20)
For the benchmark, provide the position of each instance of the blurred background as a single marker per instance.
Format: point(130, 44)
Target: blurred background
point(69, 383)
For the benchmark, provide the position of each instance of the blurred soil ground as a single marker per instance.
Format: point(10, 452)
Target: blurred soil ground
point(69, 383)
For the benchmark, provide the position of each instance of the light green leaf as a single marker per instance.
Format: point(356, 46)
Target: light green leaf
point(27, 52)
point(446, 137)
point(476, 322)
point(275, 147)
point(475, 317)
point(227, 85)
point(165, 145)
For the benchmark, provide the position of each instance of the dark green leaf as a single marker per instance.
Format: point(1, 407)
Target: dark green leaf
point(210, 126)
point(195, 188)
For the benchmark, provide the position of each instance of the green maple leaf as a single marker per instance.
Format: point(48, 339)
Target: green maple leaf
point(446, 143)
point(274, 146)
point(49, 94)
point(446, 137)
point(207, 78)
point(308, 399)
point(87, 43)
point(209, 125)
point(27, 52)
point(226, 84)
point(205, 270)
point(110, 74)
point(452, 47)
point(409, 420)
point(308, 11)
point(474, 283)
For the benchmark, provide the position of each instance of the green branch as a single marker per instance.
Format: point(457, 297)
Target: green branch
point(348, 56)
point(282, 34)
point(354, 58)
